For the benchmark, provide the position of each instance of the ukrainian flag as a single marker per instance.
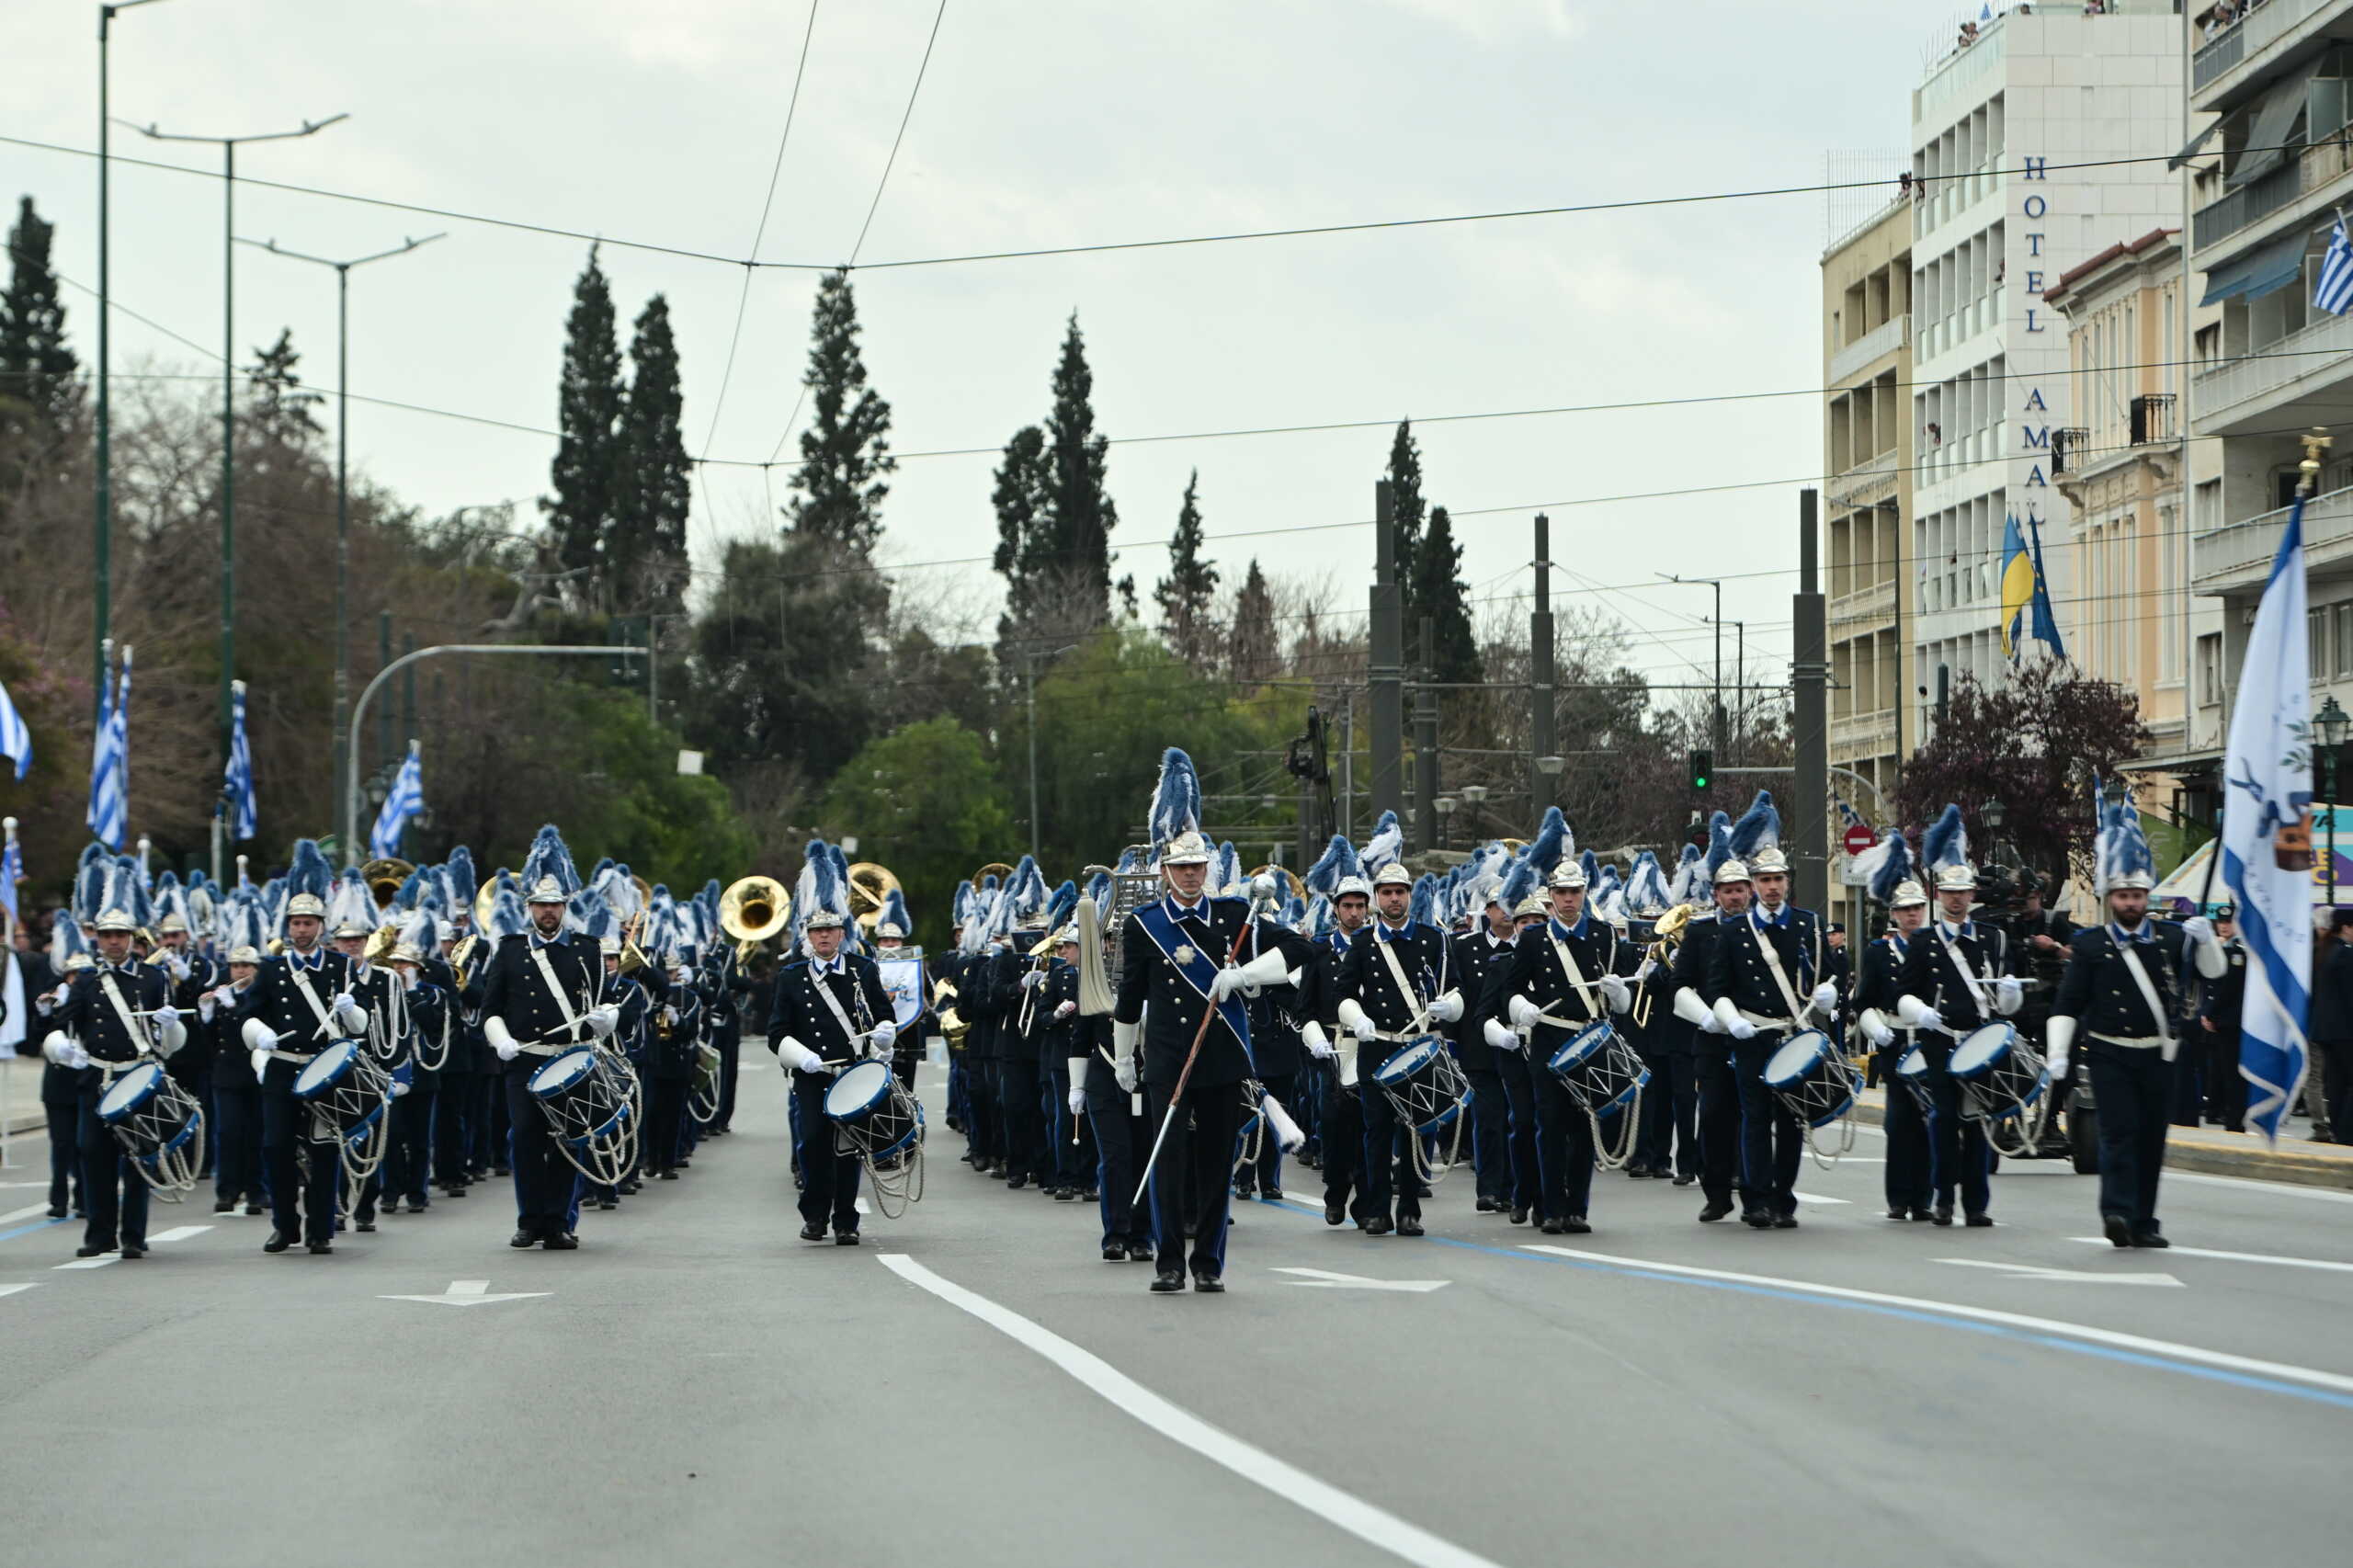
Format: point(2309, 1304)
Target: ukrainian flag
point(2025, 596)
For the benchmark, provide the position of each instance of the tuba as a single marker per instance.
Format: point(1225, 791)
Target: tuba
point(870, 886)
point(752, 911)
point(384, 877)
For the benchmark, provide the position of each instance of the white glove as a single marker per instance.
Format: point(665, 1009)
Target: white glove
point(1825, 997)
point(796, 1057)
point(1692, 1011)
point(1741, 1028)
point(349, 1015)
point(2197, 928)
point(1729, 1020)
point(226, 995)
point(1522, 1012)
point(2057, 1036)
point(206, 1005)
point(170, 1033)
point(259, 1036)
point(1930, 1019)
point(1227, 981)
point(399, 1087)
point(1915, 1014)
point(261, 1063)
point(1447, 1008)
point(601, 1019)
point(501, 1040)
point(1619, 994)
point(1499, 1034)
point(1124, 1072)
point(883, 1034)
point(1064, 1008)
point(1319, 1044)
point(1078, 1099)
point(1352, 1017)
point(1034, 978)
point(60, 1047)
point(2008, 995)
point(1875, 1028)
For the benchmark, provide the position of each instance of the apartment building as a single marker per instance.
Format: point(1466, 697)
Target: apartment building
point(2019, 137)
point(1868, 453)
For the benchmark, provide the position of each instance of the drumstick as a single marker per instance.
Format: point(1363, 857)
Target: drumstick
point(1249, 923)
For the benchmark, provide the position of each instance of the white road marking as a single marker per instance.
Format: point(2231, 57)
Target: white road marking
point(1324, 1279)
point(862, 1206)
point(469, 1293)
point(2310, 1376)
point(2241, 1257)
point(12, 1289)
point(2032, 1271)
point(1359, 1518)
point(2280, 1189)
point(177, 1233)
point(1816, 1197)
point(14, 1215)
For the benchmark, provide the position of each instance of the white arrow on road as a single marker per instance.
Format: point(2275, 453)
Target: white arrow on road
point(2092, 1277)
point(1324, 1279)
point(469, 1293)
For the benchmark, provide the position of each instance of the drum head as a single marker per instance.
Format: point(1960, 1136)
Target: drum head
point(1980, 1049)
point(131, 1090)
point(562, 1071)
point(1914, 1063)
point(324, 1068)
point(1408, 1062)
point(856, 1090)
point(1797, 1058)
point(1581, 1046)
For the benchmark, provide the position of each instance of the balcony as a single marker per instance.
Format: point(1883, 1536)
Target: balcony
point(2306, 367)
point(1981, 314)
point(2238, 556)
point(1881, 341)
point(1864, 736)
point(2249, 41)
point(1868, 481)
point(2311, 170)
point(1871, 605)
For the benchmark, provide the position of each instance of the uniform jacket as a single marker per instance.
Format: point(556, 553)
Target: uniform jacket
point(2099, 993)
point(514, 991)
point(1366, 979)
point(1930, 975)
point(795, 1008)
point(1154, 993)
point(1737, 969)
point(89, 1015)
point(1475, 956)
point(276, 1000)
point(1535, 972)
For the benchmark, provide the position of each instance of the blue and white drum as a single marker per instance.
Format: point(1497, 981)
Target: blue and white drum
point(347, 1087)
point(1599, 1068)
point(1424, 1084)
point(873, 1113)
point(585, 1095)
point(1813, 1082)
point(1912, 1072)
point(2000, 1075)
point(150, 1113)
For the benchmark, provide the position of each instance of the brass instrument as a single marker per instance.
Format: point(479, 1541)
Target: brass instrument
point(1101, 951)
point(1665, 937)
point(870, 886)
point(752, 911)
point(384, 877)
point(997, 868)
point(1293, 887)
point(633, 954)
point(485, 903)
point(380, 942)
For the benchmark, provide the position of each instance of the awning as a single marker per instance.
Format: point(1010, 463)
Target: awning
point(2259, 272)
point(2269, 130)
point(2189, 150)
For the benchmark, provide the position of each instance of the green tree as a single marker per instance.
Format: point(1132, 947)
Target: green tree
point(846, 451)
point(782, 656)
point(1023, 500)
point(36, 369)
point(1435, 591)
point(588, 416)
point(926, 801)
point(1082, 514)
point(645, 553)
point(1186, 594)
point(1406, 505)
point(280, 410)
point(1251, 645)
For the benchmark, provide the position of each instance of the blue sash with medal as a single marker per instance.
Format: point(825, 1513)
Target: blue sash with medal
point(1197, 967)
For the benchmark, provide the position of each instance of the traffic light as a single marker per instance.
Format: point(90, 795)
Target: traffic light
point(1703, 768)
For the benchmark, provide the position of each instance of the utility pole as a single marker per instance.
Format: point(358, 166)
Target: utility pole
point(1386, 667)
point(1426, 821)
point(1810, 675)
point(1716, 723)
point(1540, 695)
point(346, 753)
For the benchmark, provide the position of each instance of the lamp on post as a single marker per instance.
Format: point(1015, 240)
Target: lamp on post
point(2331, 722)
point(1445, 804)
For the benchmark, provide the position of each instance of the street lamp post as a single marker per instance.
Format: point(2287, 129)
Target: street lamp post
point(2331, 722)
point(1445, 804)
point(1716, 729)
point(342, 471)
point(1993, 813)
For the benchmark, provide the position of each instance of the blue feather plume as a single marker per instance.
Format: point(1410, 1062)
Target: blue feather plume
point(1177, 800)
point(1759, 827)
point(1544, 851)
point(1946, 842)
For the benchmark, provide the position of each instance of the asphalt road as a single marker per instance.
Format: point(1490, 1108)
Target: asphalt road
point(972, 1386)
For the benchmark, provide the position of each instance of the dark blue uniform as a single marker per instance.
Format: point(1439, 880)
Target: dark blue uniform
point(1909, 1174)
point(2128, 1052)
point(829, 1188)
point(1718, 1089)
point(1493, 1149)
point(1565, 1131)
point(514, 991)
point(1366, 979)
point(1772, 1141)
point(289, 995)
point(1960, 1156)
point(92, 1013)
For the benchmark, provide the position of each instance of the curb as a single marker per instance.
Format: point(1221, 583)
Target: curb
point(2243, 1156)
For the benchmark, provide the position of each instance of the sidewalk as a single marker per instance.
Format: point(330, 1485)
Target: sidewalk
point(20, 1110)
point(2213, 1152)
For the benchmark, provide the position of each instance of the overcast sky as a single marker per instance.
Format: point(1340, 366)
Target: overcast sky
point(1045, 123)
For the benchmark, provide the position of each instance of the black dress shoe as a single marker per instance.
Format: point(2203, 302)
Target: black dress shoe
point(1684, 1181)
point(1980, 1222)
point(844, 1238)
point(1378, 1225)
point(523, 1239)
point(57, 1213)
point(1785, 1221)
point(2147, 1238)
point(368, 1225)
point(562, 1240)
point(278, 1242)
point(255, 1208)
point(1168, 1281)
point(92, 1252)
point(322, 1248)
point(2116, 1229)
point(1717, 1208)
point(608, 1203)
point(1270, 1195)
point(1944, 1214)
point(1550, 1226)
point(1757, 1219)
point(1638, 1172)
point(1090, 1195)
point(220, 1206)
point(1574, 1225)
point(1115, 1252)
point(1922, 1215)
point(1244, 1190)
point(815, 1231)
point(1065, 1195)
point(1484, 1206)
point(1518, 1216)
point(1015, 1183)
point(131, 1251)
point(1897, 1212)
point(1335, 1212)
point(1409, 1225)
point(1209, 1285)
point(500, 1171)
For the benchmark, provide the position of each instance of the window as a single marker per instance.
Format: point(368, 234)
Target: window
point(2341, 618)
point(2317, 634)
point(2172, 551)
point(2210, 670)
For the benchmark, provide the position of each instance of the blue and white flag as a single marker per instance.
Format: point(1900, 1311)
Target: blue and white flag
point(12, 871)
point(15, 735)
point(110, 813)
point(2269, 768)
point(2333, 290)
point(237, 781)
point(406, 800)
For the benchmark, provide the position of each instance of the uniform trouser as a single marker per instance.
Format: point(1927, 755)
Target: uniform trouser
point(108, 1172)
point(1344, 1146)
point(408, 1160)
point(1266, 1169)
point(1654, 1133)
point(2133, 1090)
point(1958, 1154)
point(1563, 1151)
point(452, 1115)
point(544, 1180)
point(980, 1111)
point(2225, 1090)
point(1722, 1104)
point(1065, 1139)
point(64, 1119)
point(1523, 1179)
point(1490, 1135)
point(1122, 1141)
point(730, 1042)
point(1772, 1145)
point(903, 1067)
point(300, 1204)
point(1910, 1172)
point(1018, 1106)
point(1683, 1092)
point(1206, 1147)
point(1382, 1145)
point(666, 1110)
point(959, 1101)
point(829, 1187)
point(2336, 1086)
point(2190, 1077)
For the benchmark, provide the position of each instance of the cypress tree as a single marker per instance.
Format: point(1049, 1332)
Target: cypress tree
point(36, 369)
point(1436, 592)
point(1023, 499)
point(1083, 515)
point(1250, 649)
point(645, 552)
point(1406, 503)
point(1185, 594)
point(588, 414)
point(846, 451)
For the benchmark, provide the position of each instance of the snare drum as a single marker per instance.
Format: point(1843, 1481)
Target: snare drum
point(1424, 1084)
point(1815, 1085)
point(582, 1097)
point(347, 1087)
point(2000, 1075)
point(873, 1113)
point(1601, 1070)
point(151, 1116)
point(1912, 1072)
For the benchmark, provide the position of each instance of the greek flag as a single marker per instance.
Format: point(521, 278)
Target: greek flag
point(2334, 290)
point(237, 782)
point(406, 800)
point(2269, 768)
point(15, 735)
point(12, 871)
point(110, 814)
